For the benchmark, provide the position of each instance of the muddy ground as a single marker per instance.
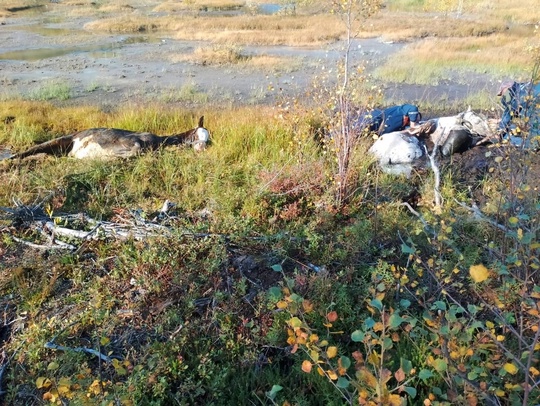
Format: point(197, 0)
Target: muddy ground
point(42, 46)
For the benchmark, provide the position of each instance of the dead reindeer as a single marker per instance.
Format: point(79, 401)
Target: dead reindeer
point(100, 143)
point(402, 147)
point(456, 134)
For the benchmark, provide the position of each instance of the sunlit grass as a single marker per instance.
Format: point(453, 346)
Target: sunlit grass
point(244, 142)
point(432, 60)
point(240, 30)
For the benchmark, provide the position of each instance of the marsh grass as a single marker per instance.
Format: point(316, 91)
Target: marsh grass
point(240, 30)
point(51, 90)
point(189, 93)
point(219, 55)
point(437, 59)
point(241, 147)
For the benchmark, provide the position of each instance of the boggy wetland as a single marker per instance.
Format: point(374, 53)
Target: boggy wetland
point(249, 53)
point(265, 259)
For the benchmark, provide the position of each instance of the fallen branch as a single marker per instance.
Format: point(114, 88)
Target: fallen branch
point(480, 216)
point(60, 246)
point(34, 217)
point(52, 346)
point(436, 172)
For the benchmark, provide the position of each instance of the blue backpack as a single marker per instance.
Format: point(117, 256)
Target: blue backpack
point(522, 100)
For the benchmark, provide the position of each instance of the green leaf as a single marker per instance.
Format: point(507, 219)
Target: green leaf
point(406, 365)
point(425, 374)
point(345, 361)
point(376, 303)
point(295, 322)
point(404, 303)
point(104, 340)
point(277, 268)
point(387, 343)
point(439, 305)
point(440, 365)
point(472, 309)
point(274, 293)
point(357, 336)
point(395, 320)
point(406, 249)
point(410, 390)
point(369, 323)
point(271, 394)
point(342, 383)
point(52, 366)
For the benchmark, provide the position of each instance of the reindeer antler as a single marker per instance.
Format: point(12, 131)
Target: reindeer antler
point(424, 129)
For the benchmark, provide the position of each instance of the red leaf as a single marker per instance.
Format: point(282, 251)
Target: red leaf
point(332, 316)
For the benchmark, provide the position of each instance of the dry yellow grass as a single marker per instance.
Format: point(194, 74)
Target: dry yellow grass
point(228, 54)
point(170, 7)
point(241, 30)
point(198, 5)
point(523, 11)
point(304, 29)
point(429, 60)
point(393, 26)
point(125, 24)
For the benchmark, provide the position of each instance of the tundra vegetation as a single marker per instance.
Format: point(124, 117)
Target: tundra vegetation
point(291, 271)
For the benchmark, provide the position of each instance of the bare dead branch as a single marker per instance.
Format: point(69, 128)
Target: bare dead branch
point(52, 346)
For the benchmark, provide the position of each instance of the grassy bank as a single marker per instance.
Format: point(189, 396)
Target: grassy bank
point(263, 280)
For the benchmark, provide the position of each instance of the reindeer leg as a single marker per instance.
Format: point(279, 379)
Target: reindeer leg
point(56, 146)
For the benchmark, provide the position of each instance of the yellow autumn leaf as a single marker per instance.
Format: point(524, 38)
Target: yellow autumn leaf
point(331, 352)
point(307, 305)
point(314, 355)
point(282, 304)
point(479, 273)
point(43, 382)
point(365, 376)
point(534, 371)
point(378, 327)
point(332, 375)
point(306, 366)
point(499, 392)
point(393, 400)
point(510, 368)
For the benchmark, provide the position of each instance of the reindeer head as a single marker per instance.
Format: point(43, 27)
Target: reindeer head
point(476, 123)
point(424, 129)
